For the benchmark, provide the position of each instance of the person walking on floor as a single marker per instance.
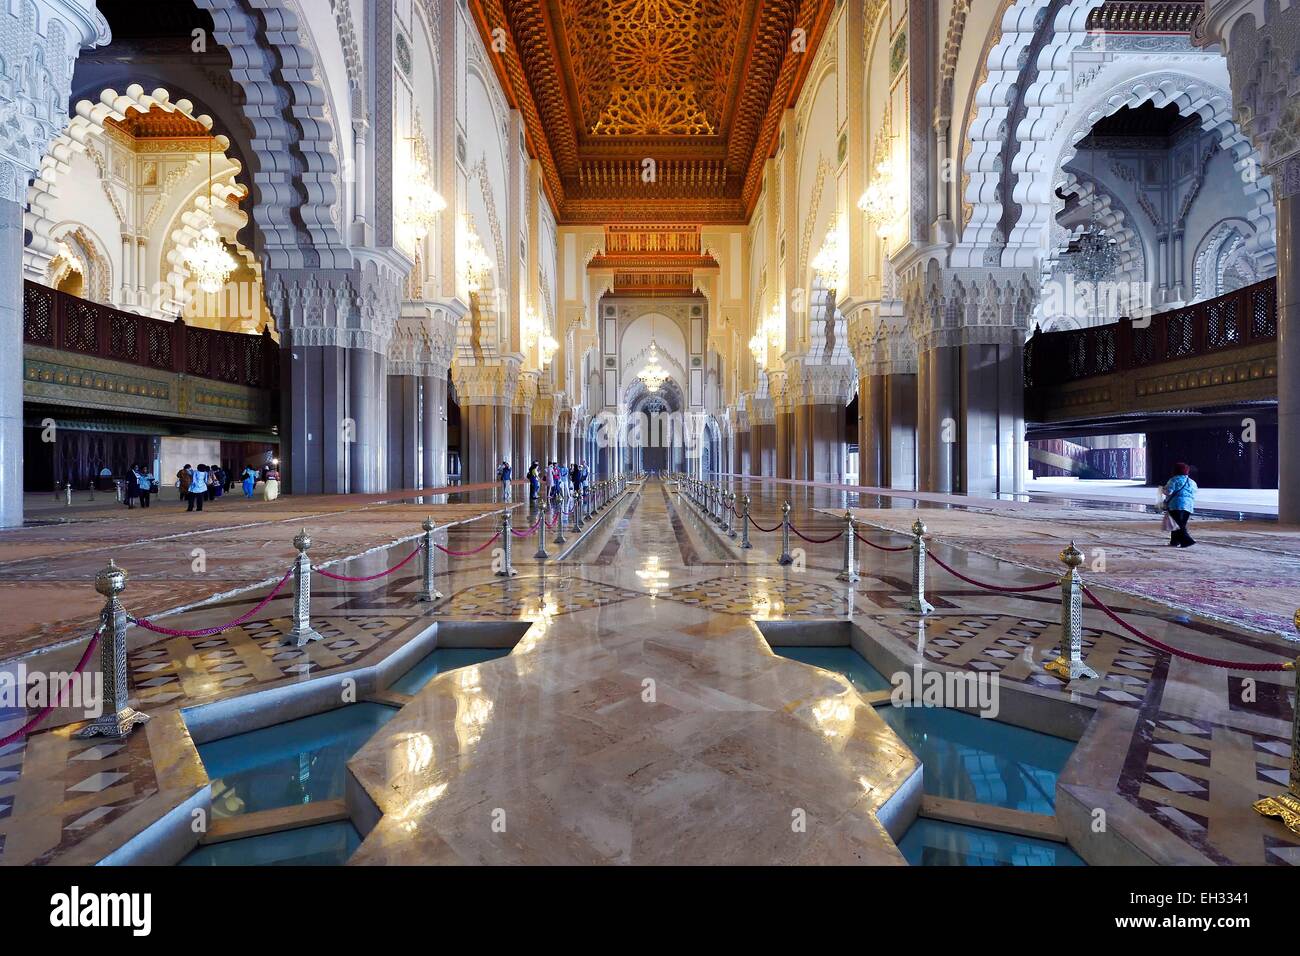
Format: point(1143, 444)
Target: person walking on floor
point(183, 481)
point(130, 488)
point(1180, 502)
point(503, 476)
point(250, 480)
point(198, 488)
point(534, 482)
point(143, 482)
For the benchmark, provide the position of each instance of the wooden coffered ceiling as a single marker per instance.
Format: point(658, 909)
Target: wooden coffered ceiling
point(697, 88)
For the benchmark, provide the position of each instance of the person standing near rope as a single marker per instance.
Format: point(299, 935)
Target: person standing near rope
point(1180, 502)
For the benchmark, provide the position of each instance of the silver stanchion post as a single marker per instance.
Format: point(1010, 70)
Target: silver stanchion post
point(118, 717)
point(302, 631)
point(1069, 665)
point(731, 513)
point(507, 547)
point(786, 557)
point(850, 572)
point(744, 525)
point(542, 554)
point(67, 489)
point(429, 593)
point(1286, 806)
point(559, 522)
point(917, 604)
point(577, 510)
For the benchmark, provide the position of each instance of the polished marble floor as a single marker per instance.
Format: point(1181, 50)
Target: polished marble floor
point(642, 717)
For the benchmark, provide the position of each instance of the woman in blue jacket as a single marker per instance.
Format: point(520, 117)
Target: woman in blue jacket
point(1180, 502)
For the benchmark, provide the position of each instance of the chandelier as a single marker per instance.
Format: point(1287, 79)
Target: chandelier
point(828, 264)
point(209, 262)
point(758, 348)
point(653, 374)
point(423, 203)
point(882, 201)
point(547, 347)
point(531, 329)
point(474, 259)
point(774, 327)
point(1092, 257)
point(207, 258)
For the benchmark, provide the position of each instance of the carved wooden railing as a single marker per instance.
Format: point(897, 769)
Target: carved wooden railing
point(60, 321)
point(1246, 316)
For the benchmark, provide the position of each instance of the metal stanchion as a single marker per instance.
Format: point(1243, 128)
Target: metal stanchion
point(731, 511)
point(850, 572)
point(118, 717)
point(430, 593)
point(786, 557)
point(1070, 667)
point(744, 525)
point(542, 554)
point(917, 604)
point(507, 546)
point(559, 522)
point(577, 509)
point(302, 631)
point(68, 493)
point(1286, 806)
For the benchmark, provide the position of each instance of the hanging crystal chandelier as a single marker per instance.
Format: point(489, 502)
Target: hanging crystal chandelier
point(882, 201)
point(547, 347)
point(474, 259)
point(209, 262)
point(828, 264)
point(653, 374)
point(207, 258)
point(531, 329)
point(423, 203)
point(1093, 257)
point(758, 348)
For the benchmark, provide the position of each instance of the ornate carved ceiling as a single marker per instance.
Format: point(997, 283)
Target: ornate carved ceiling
point(652, 110)
point(159, 123)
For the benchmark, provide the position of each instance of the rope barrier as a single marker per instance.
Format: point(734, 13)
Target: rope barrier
point(1188, 655)
point(990, 587)
point(529, 532)
point(775, 527)
point(465, 554)
point(372, 577)
point(838, 534)
point(44, 712)
point(881, 547)
point(209, 631)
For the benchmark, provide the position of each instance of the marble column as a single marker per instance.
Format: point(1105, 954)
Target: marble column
point(887, 430)
point(11, 365)
point(404, 432)
point(313, 412)
point(367, 400)
point(433, 427)
point(42, 39)
point(993, 454)
point(1288, 357)
point(938, 385)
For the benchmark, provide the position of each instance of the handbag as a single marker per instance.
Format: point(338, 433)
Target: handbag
point(1167, 523)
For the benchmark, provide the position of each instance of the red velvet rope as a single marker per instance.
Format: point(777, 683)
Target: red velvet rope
point(465, 554)
point(373, 577)
point(209, 631)
point(881, 547)
point(774, 527)
point(1211, 661)
point(527, 532)
point(838, 534)
point(44, 712)
point(990, 587)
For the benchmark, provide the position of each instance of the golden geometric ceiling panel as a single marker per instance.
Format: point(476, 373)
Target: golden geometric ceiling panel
point(697, 86)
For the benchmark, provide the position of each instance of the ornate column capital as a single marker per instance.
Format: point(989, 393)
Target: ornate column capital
point(969, 306)
point(422, 342)
point(486, 383)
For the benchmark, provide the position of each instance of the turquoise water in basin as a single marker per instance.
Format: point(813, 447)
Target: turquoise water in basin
point(327, 844)
point(966, 757)
point(442, 660)
point(841, 660)
point(933, 843)
point(291, 763)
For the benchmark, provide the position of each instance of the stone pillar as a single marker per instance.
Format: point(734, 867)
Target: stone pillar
point(819, 441)
point(367, 397)
point(936, 431)
point(11, 362)
point(484, 392)
point(404, 432)
point(782, 431)
point(433, 425)
point(42, 39)
point(1262, 44)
